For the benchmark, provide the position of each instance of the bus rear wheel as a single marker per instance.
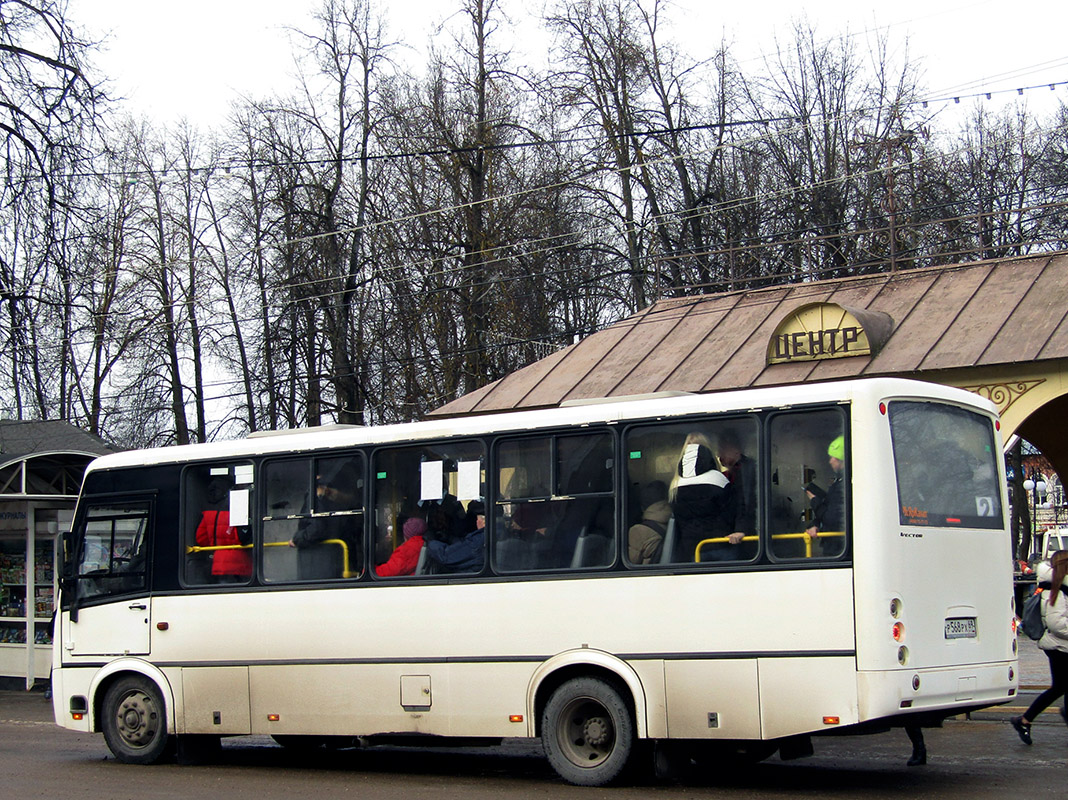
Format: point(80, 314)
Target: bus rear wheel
point(588, 732)
point(134, 721)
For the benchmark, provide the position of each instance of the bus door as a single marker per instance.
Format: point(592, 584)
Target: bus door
point(108, 608)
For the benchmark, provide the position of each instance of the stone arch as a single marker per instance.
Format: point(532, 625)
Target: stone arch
point(1032, 399)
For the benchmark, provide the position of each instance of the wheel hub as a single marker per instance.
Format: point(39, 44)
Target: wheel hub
point(136, 720)
point(597, 732)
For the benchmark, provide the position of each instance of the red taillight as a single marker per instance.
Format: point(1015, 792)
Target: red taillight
point(898, 631)
point(882, 409)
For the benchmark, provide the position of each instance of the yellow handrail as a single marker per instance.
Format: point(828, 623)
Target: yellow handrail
point(803, 535)
point(345, 571)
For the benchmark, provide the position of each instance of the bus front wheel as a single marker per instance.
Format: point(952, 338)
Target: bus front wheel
point(588, 732)
point(134, 721)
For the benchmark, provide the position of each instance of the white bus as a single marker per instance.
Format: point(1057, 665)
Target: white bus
point(772, 618)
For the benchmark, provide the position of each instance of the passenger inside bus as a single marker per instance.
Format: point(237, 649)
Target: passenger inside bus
point(799, 465)
point(445, 518)
point(741, 471)
point(319, 555)
point(466, 554)
point(645, 540)
point(214, 530)
point(828, 508)
point(405, 558)
point(702, 502)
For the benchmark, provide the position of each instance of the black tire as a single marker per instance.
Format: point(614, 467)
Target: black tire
point(588, 732)
point(134, 720)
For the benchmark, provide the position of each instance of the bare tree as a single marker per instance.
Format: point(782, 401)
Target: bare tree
point(48, 109)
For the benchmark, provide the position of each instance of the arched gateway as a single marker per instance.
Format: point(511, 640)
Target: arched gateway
point(998, 328)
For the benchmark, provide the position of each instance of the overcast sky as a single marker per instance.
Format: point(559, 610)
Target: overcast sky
point(192, 58)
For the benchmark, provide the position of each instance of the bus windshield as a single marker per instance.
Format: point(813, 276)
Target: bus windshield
point(945, 460)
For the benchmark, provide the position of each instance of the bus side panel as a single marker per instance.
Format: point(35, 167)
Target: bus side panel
point(804, 695)
point(434, 699)
point(346, 699)
point(712, 699)
point(215, 700)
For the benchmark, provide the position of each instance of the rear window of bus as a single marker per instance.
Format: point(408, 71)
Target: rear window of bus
point(946, 464)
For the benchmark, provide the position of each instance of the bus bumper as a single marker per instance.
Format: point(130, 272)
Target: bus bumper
point(892, 692)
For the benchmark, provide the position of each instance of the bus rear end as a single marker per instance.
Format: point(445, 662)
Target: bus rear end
point(933, 568)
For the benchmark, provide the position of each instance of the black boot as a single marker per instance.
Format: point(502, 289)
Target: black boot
point(1022, 728)
point(919, 756)
point(919, 749)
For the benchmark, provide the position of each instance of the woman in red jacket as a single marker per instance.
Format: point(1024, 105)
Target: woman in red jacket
point(406, 557)
point(233, 566)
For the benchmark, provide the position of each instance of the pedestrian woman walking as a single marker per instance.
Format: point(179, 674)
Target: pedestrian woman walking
point(1054, 642)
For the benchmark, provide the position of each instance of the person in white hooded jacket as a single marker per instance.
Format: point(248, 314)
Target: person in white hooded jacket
point(1053, 577)
point(702, 500)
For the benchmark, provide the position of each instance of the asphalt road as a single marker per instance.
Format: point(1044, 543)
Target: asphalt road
point(977, 758)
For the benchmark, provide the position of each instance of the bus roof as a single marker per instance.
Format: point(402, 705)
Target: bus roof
point(331, 437)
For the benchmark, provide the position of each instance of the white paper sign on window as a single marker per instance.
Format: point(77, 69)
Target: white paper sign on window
point(432, 474)
point(239, 507)
point(469, 480)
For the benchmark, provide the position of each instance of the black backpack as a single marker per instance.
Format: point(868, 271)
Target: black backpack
point(1031, 621)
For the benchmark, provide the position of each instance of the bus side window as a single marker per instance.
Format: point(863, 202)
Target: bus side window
point(554, 507)
point(523, 516)
point(585, 468)
point(698, 481)
point(313, 518)
point(216, 527)
point(809, 491)
point(427, 506)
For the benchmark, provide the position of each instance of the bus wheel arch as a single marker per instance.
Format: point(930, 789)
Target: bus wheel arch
point(587, 663)
point(133, 718)
point(589, 711)
point(151, 680)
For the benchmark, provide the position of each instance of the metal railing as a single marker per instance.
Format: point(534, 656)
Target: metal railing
point(346, 572)
point(804, 536)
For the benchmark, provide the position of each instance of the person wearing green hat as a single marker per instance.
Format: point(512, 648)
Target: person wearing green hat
point(829, 510)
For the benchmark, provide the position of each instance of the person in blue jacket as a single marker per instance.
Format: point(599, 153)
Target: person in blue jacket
point(466, 554)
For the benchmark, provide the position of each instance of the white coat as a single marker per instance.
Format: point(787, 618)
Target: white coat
point(1055, 616)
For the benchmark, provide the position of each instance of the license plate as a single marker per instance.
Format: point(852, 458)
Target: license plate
point(960, 628)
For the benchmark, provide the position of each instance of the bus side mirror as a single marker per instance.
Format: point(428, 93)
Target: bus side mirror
point(66, 568)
